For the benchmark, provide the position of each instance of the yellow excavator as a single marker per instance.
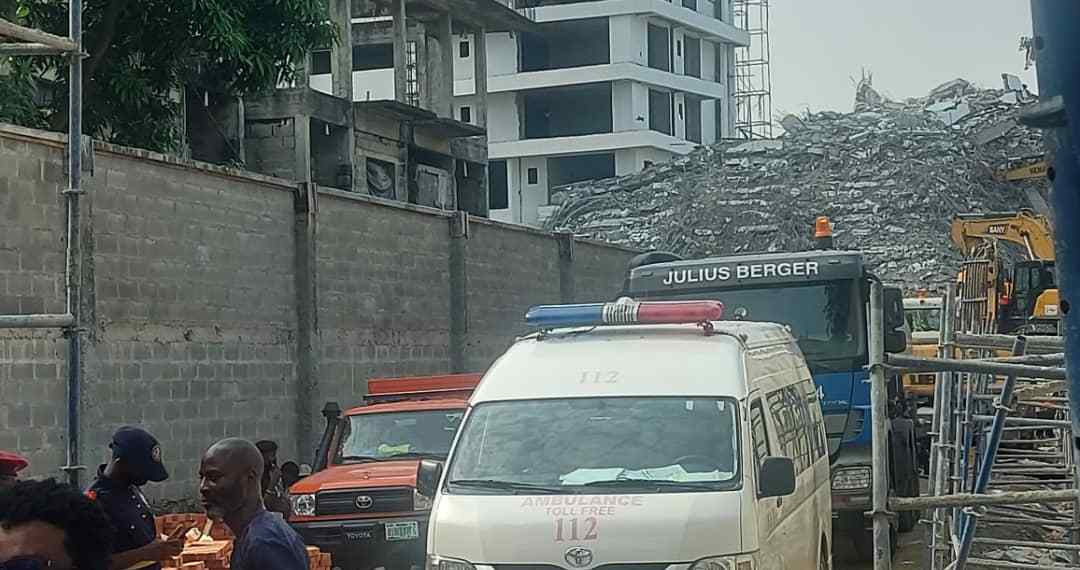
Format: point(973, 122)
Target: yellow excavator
point(1022, 299)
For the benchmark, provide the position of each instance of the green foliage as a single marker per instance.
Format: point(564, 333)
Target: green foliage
point(142, 51)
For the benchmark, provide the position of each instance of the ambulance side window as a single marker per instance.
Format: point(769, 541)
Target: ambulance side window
point(759, 433)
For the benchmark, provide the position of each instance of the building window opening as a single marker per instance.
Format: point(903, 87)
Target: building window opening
point(659, 48)
point(660, 112)
point(320, 62)
point(466, 114)
point(534, 176)
point(464, 49)
point(498, 186)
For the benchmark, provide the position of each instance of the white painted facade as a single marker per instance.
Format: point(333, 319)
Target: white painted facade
point(630, 143)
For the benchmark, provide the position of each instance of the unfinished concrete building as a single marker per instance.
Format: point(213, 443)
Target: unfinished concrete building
point(599, 88)
point(373, 114)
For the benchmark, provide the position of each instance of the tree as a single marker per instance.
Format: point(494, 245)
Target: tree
point(141, 53)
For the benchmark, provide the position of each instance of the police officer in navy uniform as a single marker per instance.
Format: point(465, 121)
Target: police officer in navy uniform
point(136, 460)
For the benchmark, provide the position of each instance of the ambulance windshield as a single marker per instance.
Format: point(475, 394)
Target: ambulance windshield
point(652, 444)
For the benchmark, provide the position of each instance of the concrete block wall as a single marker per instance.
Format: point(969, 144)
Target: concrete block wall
point(195, 309)
point(33, 363)
point(195, 328)
point(384, 307)
point(506, 272)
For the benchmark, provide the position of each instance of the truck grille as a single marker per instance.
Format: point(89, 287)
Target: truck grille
point(394, 500)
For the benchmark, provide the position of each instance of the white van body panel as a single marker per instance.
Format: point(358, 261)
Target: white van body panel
point(609, 361)
point(741, 360)
point(524, 533)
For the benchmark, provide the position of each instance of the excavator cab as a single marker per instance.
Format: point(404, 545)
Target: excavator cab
point(1026, 293)
point(1036, 297)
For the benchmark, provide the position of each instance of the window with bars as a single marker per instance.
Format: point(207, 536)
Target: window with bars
point(795, 429)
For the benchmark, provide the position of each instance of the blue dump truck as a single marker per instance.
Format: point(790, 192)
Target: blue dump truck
point(823, 295)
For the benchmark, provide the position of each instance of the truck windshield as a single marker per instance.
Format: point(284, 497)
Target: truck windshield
point(604, 445)
point(923, 320)
point(375, 437)
point(825, 317)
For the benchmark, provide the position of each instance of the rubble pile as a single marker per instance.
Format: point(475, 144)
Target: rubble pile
point(889, 175)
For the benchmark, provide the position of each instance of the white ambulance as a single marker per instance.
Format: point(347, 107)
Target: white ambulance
point(626, 436)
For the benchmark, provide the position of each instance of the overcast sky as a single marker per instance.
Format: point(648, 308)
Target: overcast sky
point(820, 47)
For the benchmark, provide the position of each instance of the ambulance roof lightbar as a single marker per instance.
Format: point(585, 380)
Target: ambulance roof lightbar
point(625, 312)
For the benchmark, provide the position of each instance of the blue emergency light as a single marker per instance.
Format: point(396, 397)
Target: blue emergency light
point(625, 312)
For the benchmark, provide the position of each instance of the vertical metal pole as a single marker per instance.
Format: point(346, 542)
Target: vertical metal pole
point(880, 430)
point(967, 535)
point(74, 263)
point(939, 450)
point(1058, 62)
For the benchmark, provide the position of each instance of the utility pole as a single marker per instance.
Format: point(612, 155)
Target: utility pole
point(1057, 55)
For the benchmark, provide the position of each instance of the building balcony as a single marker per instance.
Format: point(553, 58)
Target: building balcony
point(708, 26)
point(585, 144)
point(606, 73)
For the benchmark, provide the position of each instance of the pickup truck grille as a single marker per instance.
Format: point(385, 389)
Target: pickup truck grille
point(392, 500)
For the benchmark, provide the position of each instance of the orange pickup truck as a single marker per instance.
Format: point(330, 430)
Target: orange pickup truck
point(360, 503)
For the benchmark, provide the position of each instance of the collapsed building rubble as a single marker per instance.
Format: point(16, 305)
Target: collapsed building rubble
point(889, 175)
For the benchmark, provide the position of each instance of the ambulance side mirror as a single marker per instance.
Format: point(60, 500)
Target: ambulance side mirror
point(428, 474)
point(895, 337)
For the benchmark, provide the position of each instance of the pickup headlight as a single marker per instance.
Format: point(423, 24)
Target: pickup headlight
point(851, 479)
point(435, 562)
point(724, 563)
point(420, 502)
point(303, 505)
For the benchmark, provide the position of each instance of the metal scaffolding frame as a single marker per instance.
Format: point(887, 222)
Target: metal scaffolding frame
point(23, 41)
point(990, 463)
point(753, 75)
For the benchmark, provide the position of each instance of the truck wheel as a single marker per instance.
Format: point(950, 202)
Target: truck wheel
point(908, 520)
point(863, 541)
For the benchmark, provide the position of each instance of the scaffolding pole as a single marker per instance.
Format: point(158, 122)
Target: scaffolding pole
point(974, 477)
point(879, 432)
point(35, 42)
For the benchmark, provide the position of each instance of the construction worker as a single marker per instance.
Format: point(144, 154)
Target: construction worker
point(10, 465)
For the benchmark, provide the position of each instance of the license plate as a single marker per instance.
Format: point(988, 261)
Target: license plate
point(361, 533)
point(403, 530)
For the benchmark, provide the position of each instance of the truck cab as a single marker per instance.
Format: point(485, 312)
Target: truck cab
point(360, 503)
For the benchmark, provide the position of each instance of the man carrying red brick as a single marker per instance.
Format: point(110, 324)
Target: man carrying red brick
point(10, 465)
point(231, 490)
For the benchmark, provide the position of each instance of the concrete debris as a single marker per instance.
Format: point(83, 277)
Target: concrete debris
point(889, 175)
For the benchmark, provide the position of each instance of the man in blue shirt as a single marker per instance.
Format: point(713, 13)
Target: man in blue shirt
point(230, 486)
point(136, 460)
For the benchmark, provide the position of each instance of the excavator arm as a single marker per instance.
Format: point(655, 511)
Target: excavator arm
point(1026, 228)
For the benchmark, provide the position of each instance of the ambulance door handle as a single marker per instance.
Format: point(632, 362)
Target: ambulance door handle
point(779, 502)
